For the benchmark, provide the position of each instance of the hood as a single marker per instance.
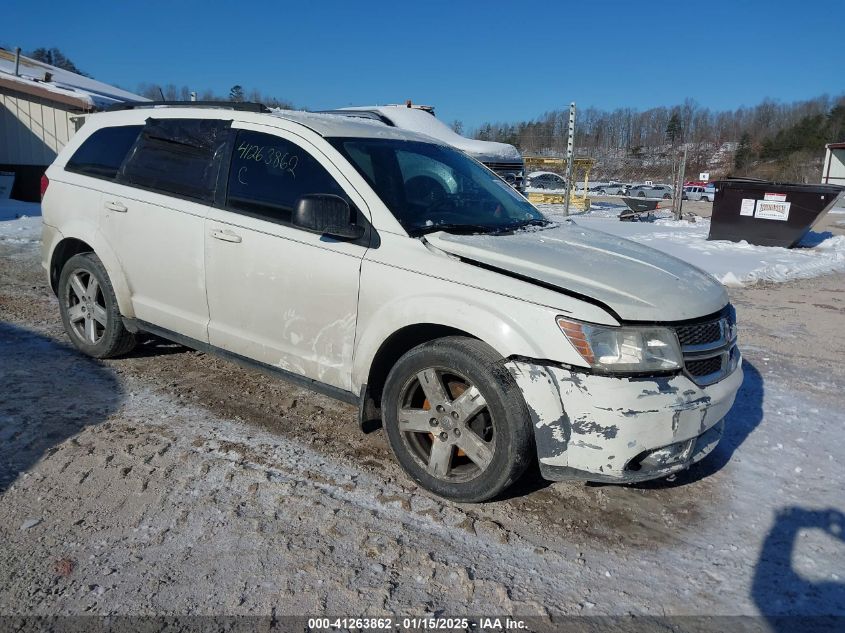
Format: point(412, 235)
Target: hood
point(637, 282)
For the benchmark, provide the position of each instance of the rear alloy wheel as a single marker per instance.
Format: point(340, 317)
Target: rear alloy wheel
point(456, 421)
point(89, 308)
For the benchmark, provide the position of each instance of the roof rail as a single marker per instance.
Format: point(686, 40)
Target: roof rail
point(245, 106)
point(374, 115)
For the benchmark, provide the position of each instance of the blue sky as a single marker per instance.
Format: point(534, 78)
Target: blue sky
point(475, 61)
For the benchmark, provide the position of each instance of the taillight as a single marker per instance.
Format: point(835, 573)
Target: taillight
point(44, 184)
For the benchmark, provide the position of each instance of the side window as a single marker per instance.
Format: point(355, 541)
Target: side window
point(177, 156)
point(268, 174)
point(102, 153)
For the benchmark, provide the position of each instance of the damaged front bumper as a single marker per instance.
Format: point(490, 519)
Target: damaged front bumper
point(621, 429)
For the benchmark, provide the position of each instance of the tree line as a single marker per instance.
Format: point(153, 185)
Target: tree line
point(771, 139)
point(237, 93)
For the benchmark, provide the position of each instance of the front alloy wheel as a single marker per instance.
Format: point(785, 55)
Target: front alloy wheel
point(456, 420)
point(446, 425)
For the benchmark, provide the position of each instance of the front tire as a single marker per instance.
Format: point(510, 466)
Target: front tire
point(456, 420)
point(89, 309)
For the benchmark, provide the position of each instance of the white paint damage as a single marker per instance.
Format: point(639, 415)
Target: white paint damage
point(593, 426)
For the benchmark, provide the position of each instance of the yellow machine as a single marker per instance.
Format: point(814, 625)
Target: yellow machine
point(579, 166)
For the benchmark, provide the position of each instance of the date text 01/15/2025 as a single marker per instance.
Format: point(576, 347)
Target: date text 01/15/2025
point(417, 624)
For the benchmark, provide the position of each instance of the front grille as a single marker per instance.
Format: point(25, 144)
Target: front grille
point(699, 333)
point(709, 347)
point(704, 366)
point(504, 166)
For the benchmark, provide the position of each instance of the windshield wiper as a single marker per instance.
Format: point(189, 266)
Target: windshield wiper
point(532, 222)
point(454, 228)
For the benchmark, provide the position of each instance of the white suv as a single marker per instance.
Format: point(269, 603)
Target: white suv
point(392, 271)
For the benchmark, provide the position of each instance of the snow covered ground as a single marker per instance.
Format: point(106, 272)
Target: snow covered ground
point(174, 482)
point(735, 264)
point(20, 221)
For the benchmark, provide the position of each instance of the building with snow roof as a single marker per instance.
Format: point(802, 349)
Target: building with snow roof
point(39, 106)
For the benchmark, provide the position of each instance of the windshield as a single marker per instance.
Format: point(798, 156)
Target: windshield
point(430, 187)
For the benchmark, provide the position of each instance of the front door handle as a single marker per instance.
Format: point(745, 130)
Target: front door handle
point(114, 205)
point(226, 236)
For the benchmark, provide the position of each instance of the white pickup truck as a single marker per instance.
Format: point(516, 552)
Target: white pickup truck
point(693, 192)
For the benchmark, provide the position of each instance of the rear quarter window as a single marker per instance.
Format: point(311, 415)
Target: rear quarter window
point(102, 153)
point(177, 156)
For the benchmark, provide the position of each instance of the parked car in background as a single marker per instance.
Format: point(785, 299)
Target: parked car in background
point(651, 191)
point(545, 180)
point(392, 271)
point(700, 193)
point(692, 192)
point(613, 189)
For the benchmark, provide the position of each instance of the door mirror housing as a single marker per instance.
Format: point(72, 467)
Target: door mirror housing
point(327, 214)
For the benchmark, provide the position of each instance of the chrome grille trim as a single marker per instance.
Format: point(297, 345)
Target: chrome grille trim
point(709, 348)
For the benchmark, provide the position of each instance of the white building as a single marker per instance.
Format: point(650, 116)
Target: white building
point(38, 104)
point(834, 164)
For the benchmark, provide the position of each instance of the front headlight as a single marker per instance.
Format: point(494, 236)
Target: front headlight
point(624, 349)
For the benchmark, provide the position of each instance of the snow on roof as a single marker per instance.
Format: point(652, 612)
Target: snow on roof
point(63, 85)
point(330, 125)
point(419, 120)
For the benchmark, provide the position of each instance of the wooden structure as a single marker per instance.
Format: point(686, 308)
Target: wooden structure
point(581, 169)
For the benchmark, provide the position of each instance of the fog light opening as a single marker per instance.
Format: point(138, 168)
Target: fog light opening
point(660, 458)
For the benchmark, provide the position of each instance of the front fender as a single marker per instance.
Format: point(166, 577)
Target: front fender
point(392, 299)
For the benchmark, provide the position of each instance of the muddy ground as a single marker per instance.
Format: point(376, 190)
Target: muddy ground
point(171, 481)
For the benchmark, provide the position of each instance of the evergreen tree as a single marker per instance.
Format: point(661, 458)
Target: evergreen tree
point(744, 152)
point(236, 94)
point(55, 57)
point(673, 127)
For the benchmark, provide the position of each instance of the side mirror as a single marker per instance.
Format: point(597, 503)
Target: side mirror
point(326, 214)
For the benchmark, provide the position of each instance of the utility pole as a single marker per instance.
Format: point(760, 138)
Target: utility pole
point(570, 151)
point(678, 202)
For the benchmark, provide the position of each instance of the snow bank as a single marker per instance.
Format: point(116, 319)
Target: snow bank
point(735, 264)
point(20, 221)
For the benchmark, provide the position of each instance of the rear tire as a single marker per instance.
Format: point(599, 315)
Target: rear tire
point(89, 309)
point(456, 420)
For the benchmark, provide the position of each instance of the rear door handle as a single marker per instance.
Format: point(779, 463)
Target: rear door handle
point(114, 205)
point(226, 236)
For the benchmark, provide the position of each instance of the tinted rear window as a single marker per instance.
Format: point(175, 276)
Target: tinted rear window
point(177, 156)
point(102, 153)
